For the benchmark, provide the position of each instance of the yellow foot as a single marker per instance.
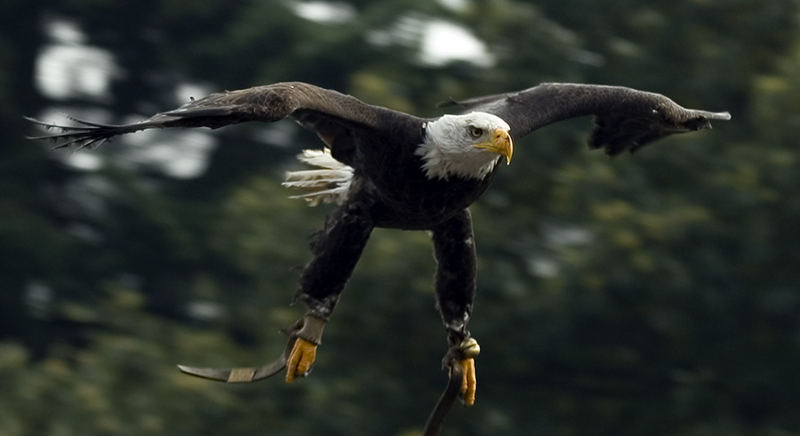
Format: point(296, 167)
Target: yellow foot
point(469, 382)
point(300, 359)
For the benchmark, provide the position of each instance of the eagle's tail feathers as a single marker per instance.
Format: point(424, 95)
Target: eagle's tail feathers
point(328, 184)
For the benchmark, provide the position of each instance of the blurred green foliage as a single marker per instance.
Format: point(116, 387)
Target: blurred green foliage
point(650, 294)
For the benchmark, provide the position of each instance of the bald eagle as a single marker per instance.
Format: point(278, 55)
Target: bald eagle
point(386, 168)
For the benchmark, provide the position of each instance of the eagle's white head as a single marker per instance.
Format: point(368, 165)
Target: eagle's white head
point(468, 145)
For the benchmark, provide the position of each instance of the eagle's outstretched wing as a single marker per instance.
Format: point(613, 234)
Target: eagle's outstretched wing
point(334, 116)
point(625, 118)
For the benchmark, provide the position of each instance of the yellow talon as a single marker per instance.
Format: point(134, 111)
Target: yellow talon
point(469, 381)
point(300, 359)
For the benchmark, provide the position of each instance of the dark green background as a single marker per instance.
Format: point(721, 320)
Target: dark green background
point(652, 294)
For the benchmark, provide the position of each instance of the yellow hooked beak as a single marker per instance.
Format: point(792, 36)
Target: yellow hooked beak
point(500, 143)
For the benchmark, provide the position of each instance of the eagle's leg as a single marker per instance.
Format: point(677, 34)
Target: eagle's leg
point(336, 250)
point(454, 249)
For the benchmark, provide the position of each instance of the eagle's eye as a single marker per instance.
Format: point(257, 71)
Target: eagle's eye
point(475, 132)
